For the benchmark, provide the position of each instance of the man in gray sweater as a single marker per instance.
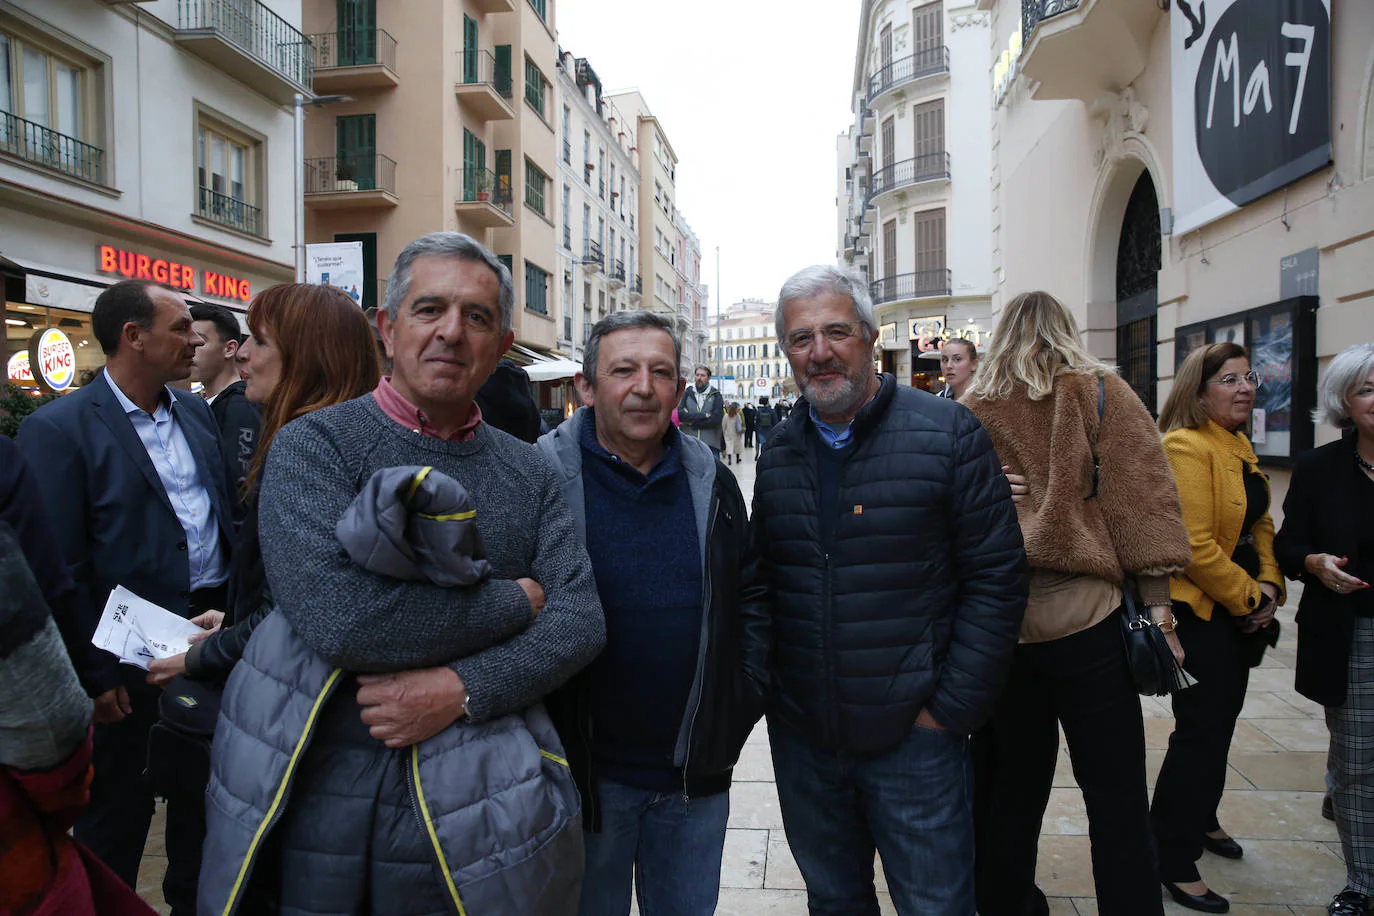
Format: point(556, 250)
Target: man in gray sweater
point(418, 660)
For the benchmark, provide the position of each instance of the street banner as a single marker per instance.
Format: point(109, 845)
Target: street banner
point(338, 264)
point(1251, 101)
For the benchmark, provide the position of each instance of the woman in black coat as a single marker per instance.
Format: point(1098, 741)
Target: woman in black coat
point(1327, 542)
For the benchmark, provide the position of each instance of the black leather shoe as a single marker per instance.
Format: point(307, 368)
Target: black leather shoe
point(1225, 847)
point(1210, 902)
point(1349, 903)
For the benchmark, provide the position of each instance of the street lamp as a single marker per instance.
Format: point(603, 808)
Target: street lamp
point(298, 109)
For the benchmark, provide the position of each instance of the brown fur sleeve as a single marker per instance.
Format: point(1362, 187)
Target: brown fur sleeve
point(1139, 498)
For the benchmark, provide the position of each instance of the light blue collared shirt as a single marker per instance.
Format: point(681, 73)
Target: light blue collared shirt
point(837, 435)
point(167, 448)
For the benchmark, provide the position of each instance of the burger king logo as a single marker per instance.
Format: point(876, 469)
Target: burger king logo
point(52, 359)
point(18, 367)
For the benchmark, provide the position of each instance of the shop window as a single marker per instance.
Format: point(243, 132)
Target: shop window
point(22, 321)
point(228, 172)
point(48, 106)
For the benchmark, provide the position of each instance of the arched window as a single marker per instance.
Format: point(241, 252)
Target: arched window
point(752, 349)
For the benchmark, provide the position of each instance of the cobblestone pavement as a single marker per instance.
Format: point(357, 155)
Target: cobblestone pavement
point(1272, 806)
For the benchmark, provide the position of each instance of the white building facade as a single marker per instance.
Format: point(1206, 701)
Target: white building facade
point(913, 198)
point(598, 208)
point(150, 140)
point(747, 360)
point(1178, 179)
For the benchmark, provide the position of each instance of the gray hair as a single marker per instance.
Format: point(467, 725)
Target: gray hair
point(626, 321)
point(820, 279)
point(1347, 372)
point(448, 245)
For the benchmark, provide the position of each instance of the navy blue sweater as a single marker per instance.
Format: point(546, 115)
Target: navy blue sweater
point(651, 593)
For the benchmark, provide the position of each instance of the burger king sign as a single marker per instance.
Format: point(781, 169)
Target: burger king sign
point(52, 359)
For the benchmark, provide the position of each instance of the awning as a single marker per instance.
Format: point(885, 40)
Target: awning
point(550, 370)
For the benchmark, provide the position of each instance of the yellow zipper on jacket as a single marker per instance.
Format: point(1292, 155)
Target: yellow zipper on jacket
point(272, 809)
point(429, 828)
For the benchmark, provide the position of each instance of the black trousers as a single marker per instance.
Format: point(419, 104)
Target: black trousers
point(1194, 773)
point(115, 823)
point(1081, 682)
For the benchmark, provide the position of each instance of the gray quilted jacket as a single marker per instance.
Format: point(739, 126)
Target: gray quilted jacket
point(494, 803)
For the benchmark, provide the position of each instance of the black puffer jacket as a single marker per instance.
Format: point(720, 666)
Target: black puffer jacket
point(913, 596)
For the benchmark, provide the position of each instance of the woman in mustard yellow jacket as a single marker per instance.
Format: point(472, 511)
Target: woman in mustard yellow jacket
point(1224, 602)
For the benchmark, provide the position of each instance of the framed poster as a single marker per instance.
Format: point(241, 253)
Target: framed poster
point(1281, 339)
point(1251, 101)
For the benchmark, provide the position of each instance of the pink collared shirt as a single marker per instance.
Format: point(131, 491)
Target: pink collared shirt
point(395, 406)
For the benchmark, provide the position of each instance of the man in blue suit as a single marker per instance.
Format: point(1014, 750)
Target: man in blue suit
point(137, 494)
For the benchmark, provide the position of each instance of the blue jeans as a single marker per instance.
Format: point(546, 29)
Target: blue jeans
point(670, 846)
point(913, 803)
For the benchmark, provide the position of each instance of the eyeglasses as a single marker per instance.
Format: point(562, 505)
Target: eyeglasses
point(800, 340)
point(1232, 381)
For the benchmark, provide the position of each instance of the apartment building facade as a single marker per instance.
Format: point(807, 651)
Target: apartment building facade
point(693, 297)
point(1179, 179)
point(599, 207)
point(141, 140)
point(386, 164)
point(745, 355)
point(913, 199)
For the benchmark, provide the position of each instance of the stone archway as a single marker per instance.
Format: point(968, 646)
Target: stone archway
point(1138, 259)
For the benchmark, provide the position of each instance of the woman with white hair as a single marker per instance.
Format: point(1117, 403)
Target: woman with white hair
point(1327, 541)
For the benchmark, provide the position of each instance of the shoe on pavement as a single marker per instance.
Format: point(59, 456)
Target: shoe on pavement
point(1209, 902)
point(1328, 809)
point(1350, 903)
point(1225, 847)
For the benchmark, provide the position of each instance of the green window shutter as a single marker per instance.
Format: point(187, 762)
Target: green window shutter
point(357, 32)
point(474, 165)
point(356, 147)
point(534, 87)
point(503, 75)
point(469, 50)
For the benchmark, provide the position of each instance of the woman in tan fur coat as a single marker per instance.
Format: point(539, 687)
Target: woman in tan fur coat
point(1037, 393)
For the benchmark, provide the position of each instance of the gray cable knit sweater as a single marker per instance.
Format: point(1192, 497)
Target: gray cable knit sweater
point(364, 622)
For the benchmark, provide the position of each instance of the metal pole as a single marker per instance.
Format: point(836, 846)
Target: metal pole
point(719, 371)
point(299, 110)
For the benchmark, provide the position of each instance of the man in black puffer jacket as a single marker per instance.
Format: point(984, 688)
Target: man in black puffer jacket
point(899, 582)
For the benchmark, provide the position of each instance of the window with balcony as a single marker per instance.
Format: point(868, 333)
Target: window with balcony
point(228, 167)
point(47, 103)
point(536, 289)
point(536, 87)
point(567, 210)
point(536, 183)
point(567, 132)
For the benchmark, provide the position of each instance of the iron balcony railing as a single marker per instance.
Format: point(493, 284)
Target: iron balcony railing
point(1033, 12)
point(258, 31)
point(567, 151)
point(229, 211)
point(916, 285)
point(353, 48)
point(929, 167)
point(637, 284)
point(592, 256)
point(927, 62)
point(486, 186)
point(41, 146)
point(617, 271)
point(360, 171)
point(479, 68)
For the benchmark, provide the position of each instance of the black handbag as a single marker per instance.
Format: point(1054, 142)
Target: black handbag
point(1154, 670)
point(179, 741)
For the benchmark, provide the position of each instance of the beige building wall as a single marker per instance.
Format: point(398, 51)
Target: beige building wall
point(657, 199)
point(424, 99)
point(1075, 129)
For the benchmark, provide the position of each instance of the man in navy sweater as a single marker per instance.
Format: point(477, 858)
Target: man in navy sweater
point(653, 727)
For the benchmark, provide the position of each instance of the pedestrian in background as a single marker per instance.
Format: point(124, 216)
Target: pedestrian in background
point(216, 367)
point(958, 363)
point(765, 418)
point(898, 581)
point(702, 410)
point(1327, 543)
point(137, 494)
point(655, 724)
point(749, 413)
point(360, 819)
point(733, 426)
point(1056, 415)
point(1224, 602)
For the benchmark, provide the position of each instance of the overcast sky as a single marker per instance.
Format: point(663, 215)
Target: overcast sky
point(751, 95)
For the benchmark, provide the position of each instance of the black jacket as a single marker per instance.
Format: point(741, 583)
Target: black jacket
point(249, 603)
point(732, 669)
point(914, 595)
point(1318, 518)
point(239, 420)
point(507, 403)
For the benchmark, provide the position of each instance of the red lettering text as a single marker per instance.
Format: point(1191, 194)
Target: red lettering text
point(141, 270)
point(126, 263)
point(160, 272)
point(211, 283)
point(188, 277)
point(109, 260)
point(244, 293)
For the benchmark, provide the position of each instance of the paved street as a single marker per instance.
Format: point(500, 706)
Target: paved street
point(1272, 806)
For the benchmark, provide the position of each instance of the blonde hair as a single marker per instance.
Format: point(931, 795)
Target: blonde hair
point(1036, 341)
point(1183, 407)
